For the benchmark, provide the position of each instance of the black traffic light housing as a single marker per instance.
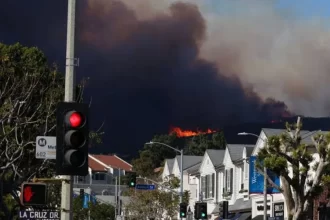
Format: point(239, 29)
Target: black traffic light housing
point(202, 210)
point(72, 139)
point(34, 194)
point(196, 211)
point(223, 209)
point(183, 210)
point(131, 180)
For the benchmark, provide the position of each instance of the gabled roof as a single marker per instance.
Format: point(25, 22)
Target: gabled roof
point(104, 162)
point(188, 161)
point(216, 156)
point(249, 151)
point(236, 150)
point(305, 134)
point(193, 168)
point(170, 164)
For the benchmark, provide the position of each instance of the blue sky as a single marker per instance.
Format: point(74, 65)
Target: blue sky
point(299, 8)
point(307, 8)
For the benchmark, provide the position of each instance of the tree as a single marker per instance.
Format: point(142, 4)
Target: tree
point(162, 202)
point(95, 211)
point(199, 143)
point(29, 92)
point(153, 156)
point(291, 158)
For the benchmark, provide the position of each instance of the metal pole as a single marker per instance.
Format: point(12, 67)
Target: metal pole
point(265, 193)
point(116, 199)
point(67, 186)
point(119, 183)
point(181, 179)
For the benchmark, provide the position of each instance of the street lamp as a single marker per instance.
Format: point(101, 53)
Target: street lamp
point(265, 175)
point(181, 164)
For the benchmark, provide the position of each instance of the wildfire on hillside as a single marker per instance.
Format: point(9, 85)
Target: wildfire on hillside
point(188, 133)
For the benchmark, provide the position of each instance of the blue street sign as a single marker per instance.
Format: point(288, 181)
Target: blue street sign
point(145, 186)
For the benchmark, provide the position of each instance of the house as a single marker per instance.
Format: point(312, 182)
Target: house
point(209, 179)
point(172, 167)
point(103, 170)
point(168, 168)
point(232, 180)
point(188, 162)
point(275, 201)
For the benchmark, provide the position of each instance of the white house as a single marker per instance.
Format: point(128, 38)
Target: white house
point(209, 178)
point(173, 168)
point(168, 168)
point(233, 180)
point(275, 200)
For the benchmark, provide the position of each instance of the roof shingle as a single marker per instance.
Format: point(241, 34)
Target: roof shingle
point(216, 156)
point(236, 150)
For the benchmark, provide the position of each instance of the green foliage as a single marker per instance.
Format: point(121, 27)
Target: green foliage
point(95, 211)
point(29, 92)
point(173, 182)
point(199, 143)
point(152, 204)
point(186, 196)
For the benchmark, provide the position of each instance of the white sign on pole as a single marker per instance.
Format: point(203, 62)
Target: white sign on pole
point(46, 147)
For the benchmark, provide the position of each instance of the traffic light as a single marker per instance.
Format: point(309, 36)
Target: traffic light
point(223, 209)
point(72, 135)
point(34, 194)
point(183, 210)
point(196, 211)
point(202, 210)
point(132, 180)
point(82, 193)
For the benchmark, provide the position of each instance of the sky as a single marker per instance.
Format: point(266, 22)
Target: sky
point(301, 8)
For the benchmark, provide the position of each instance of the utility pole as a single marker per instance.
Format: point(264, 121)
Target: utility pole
point(119, 183)
point(116, 199)
point(67, 186)
point(265, 193)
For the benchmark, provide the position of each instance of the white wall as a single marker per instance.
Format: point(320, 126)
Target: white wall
point(207, 168)
point(228, 164)
point(194, 191)
point(166, 171)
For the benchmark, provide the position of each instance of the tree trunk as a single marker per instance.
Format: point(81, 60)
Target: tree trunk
point(287, 193)
point(299, 215)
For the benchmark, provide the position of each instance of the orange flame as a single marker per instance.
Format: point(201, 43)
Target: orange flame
point(187, 133)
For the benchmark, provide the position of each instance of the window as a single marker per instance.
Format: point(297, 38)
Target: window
point(229, 180)
point(208, 186)
point(98, 176)
point(246, 169)
point(242, 175)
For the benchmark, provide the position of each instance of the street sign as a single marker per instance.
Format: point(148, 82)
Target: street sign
point(29, 215)
point(145, 186)
point(46, 147)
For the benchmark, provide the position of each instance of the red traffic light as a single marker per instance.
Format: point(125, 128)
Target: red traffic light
point(75, 119)
point(33, 194)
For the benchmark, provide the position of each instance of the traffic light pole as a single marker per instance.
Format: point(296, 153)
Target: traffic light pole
point(67, 184)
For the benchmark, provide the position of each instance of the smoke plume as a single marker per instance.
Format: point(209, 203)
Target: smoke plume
point(155, 56)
